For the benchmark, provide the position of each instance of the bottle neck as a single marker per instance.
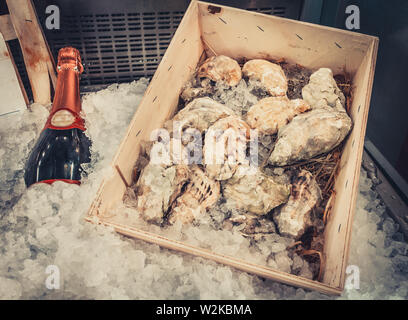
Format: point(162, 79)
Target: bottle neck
point(67, 92)
point(66, 107)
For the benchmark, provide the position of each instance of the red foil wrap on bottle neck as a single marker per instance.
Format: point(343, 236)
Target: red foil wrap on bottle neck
point(67, 95)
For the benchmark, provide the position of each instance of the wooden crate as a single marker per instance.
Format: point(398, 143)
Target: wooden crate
point(209, 28)
point(21, 23)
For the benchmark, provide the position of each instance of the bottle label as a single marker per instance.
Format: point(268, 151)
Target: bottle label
point(62, 118)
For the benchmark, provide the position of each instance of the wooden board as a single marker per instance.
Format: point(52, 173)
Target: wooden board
point(338, 230)
point(253, 35)
point(242, 265)
point(6, 28)
point(158, 104)
point(244, 34)
point(12, 98)
point(37, 58)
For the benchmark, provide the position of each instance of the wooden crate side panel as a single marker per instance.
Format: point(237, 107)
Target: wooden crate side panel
point(158, 104)
point(162, 95)
point(111, 190)
point(6, 28)
point(371, 71)
point(242, 265)
point(339, 227)
point(242, 34)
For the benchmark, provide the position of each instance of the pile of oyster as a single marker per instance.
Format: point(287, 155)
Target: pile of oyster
point(185, 178)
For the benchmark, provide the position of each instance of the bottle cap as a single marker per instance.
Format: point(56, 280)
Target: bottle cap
point(69, 58)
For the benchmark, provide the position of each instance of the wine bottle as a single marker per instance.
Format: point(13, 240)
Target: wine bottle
point(62, 146)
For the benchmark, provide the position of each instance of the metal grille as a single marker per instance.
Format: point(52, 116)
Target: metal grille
point(117, 47)
point(126, 41)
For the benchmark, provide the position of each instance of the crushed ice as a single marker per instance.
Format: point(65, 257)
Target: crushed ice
point(44, 226)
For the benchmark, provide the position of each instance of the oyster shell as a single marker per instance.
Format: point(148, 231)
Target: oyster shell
point(173, 152)
point(322, 91)
point(200, 194)
point(221, 69)
point(196, 89)
point(199, 114)
point(272, 113)
point(157, 188)
point(271, 76)
point(293, 218)
point(225, 147)
point(252, 224)
point(255, 191)
point(310, 134)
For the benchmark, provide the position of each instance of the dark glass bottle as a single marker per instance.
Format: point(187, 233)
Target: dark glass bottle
point(62, 146)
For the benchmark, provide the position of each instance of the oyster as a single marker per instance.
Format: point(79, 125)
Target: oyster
point(200, 194)
point(199, 114)
point(271, 76)
point(196, 89)
point(221, 69)
point(272, 113)
point(310, 134)
point(255, 191)
point(293, 218)
point(173, 152)
point(322, 91)
point(157, 188)
point(252, 224)
point(225, 147)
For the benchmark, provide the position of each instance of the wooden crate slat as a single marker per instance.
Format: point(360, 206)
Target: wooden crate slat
point(239, 264)
point(6, 28)
point(37, 58)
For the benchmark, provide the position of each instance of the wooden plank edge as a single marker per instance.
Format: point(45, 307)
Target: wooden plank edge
point(51, 66)
point(6, 28)
point(261, 271)
point(36, 60)
point(303, 23)
point(161, 68)
point(93, 209)
point(352, 208)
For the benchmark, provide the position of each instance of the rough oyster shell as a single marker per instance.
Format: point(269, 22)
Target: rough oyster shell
point(293, 218)
point(310, 134)
point(225, 147)
point(272, 113)
point(322, 91)
point(157, 188)
point(252, 224)
point(221, 68)
point(255, 191)
point(196, 89)
point(200, 194)
point(271, 76)
point(199, 114)
point(173, 152)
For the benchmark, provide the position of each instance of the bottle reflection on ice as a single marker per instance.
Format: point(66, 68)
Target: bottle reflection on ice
point(62, 146)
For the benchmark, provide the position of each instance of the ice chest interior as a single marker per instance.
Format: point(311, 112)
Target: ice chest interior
point(207, 29)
